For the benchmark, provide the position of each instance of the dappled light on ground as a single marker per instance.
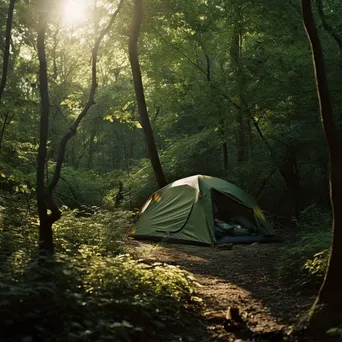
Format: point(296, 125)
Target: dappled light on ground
point(244, 276)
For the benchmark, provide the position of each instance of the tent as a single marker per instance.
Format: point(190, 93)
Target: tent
point(184, 211)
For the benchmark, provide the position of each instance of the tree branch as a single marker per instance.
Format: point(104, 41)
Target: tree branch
point(179, 51)
point(69, 198)
point(89, 104)
point(208, 76)
point(256, 196)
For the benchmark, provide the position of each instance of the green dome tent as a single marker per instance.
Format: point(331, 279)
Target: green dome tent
point(184, 211)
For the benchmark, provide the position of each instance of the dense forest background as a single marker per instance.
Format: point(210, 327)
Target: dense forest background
point(230, 92)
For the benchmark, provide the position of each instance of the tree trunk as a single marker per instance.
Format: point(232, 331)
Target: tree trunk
point(241, 141)
point(6, 53)
point(46, 236)
point(45, 193)
point(45, 231)
point(140, 96)
point(327, 310)
point(5, 124)
point(241, 115)
point(225, 155)
point(250, 135)
point(224, 145)
point(91, 148)
point(90, 102)
point(288, 171)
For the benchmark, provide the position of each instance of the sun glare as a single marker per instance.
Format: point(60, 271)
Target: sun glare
point(74, 12)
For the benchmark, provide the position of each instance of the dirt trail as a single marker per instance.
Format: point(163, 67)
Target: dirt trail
point(244, 275)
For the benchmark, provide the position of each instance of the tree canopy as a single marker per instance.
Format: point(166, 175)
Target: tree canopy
point(104, 101)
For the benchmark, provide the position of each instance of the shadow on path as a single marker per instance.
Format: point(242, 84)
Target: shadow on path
point(244, 276)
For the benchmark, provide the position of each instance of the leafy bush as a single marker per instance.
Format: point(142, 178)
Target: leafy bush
point(139, 185)
point(90, 290)
point(103, 229)
point(84, 186)
point(306, 259)
point(318, 264)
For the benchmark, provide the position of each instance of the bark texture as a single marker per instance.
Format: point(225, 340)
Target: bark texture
point(327, 310)
point(6, 52)
point(140, 96)
point(45, 227)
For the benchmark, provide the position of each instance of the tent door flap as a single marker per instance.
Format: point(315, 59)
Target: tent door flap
point(178, 230)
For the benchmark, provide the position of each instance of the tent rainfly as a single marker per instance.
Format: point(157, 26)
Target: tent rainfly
point(184, 211)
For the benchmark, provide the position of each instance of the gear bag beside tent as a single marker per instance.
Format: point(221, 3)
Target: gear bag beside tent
point(202, 210)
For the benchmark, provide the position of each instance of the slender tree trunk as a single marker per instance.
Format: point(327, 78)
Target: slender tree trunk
point(45, 227)
point(250, 135)
point(128, 173)
point(224, 145)
point(140, 96)
point(225, 155)
point(290, 173)
point(7, 121)
point(54, 58)
point(222, 130)
point(241, 141)
point(6, 53)
point(91, 149)
point(244, 129)
point(327, 310)
point(241, 114)
point(46, 236)
point(45, 193)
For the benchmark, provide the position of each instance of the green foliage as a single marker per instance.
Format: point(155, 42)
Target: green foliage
point(138, 185)
point(85, 187)
point(304, 261)
point(102, 229)
point(192, 154)
point(15, 183)
point(195, 95)
point(91, 290)
point(202, 86)
point(318, 264)
point(335, 333)
point(123, 118)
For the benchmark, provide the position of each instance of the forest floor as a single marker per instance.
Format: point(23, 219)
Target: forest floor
point(244, 276)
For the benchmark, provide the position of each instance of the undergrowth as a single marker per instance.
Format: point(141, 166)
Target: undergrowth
point(304, 261)
point(91, 290)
